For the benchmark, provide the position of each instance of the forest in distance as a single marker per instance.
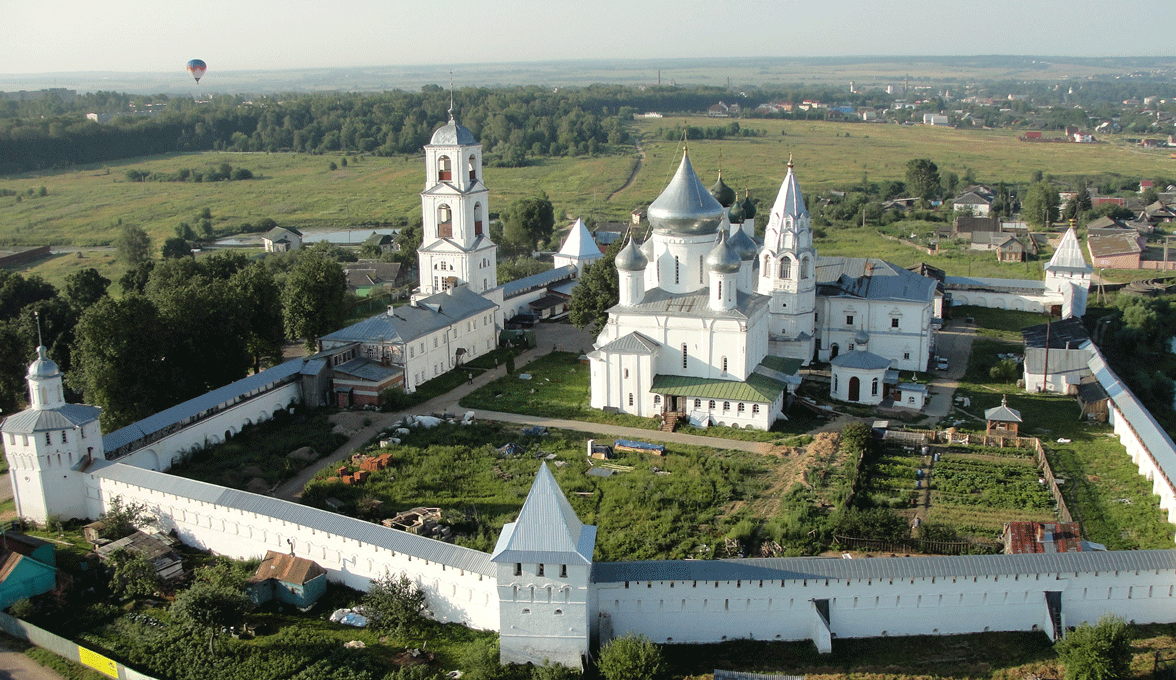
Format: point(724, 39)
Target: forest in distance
point(513, 124)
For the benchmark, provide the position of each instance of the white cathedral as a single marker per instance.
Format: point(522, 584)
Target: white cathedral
point(712, 326)
point(704, 315)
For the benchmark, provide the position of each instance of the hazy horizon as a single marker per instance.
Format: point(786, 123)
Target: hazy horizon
point(62, 40)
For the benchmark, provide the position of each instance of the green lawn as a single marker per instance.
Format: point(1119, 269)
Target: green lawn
point(680, 510)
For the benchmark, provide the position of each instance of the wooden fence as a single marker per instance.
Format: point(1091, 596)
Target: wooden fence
point(918, 545)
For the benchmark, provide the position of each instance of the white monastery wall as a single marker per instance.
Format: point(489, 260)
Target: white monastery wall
point(1023, 302)
point(454, 592)
point(714, 611)
point(161, 454)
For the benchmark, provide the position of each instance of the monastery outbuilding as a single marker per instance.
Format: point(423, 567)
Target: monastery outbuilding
point(709, 324)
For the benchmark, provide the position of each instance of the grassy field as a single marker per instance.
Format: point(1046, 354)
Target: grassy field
point(828, 155)
point(85, 206)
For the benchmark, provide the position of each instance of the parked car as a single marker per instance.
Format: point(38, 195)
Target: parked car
point(941, 363)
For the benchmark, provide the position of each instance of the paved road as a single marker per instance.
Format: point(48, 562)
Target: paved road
point(14, 665)
point(292, 489)
point(953, 341)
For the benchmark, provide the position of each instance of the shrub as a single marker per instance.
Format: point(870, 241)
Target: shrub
point(632, 657)
point(1098, 652)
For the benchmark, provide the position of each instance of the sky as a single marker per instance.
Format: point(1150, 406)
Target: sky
point(52, 36)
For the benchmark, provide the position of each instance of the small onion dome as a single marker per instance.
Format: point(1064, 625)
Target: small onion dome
point(735, 214)
point(722, 259)
point(748, 207)
point(685, 207)
point(630, 258)
point(742, 244)
point(861, 338)
point(722, 193)
point(646, 249)
point(452, 134)
point(43, 367)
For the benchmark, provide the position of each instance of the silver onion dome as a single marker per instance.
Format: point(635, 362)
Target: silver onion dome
point(742, 244)
point(630, 258)
point(685, 207)
point(452, 134)
point(722, 259)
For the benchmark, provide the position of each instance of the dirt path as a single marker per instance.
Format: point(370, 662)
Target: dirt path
point(632, 175)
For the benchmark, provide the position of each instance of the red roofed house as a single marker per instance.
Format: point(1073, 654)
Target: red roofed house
point(288, 579)
point(1041, 537)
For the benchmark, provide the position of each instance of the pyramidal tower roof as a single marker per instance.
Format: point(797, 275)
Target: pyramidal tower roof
point(579, 243)
point(789, 202)
point(1068, 256)
point(547, 529)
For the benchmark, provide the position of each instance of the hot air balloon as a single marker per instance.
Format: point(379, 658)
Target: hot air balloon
point(197, 67)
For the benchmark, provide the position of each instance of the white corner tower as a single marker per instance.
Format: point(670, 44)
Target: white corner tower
point(48, 446)
point(455, 246)
point(579, 249)
point(544, 563)
point(1068, 275)
point(787, 273)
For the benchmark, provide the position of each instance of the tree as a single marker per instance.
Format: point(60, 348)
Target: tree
point(133, 246)
point(175, 248)
point(394, 605)
point(632, 657)
point(85, 287)
point(922, 178)
point(314, 300)
point(597, 291)
point(116, 343)
point(259, 292)
point(1040, 207)
point(134, 575)
point(135, 280)
point(120, 521)
point(1098, 652)
point(211, 606)
point(529, 221)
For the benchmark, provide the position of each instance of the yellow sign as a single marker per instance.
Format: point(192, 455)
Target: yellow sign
point(98, 662)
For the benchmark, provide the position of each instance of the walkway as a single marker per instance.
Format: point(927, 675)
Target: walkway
point(955, 342)
point(292, 489)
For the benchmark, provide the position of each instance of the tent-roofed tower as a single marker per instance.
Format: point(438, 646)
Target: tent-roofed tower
point(1068, 273)
point(544, 562)
point(455, 244)
point(48, 445)
point(787, 272)
point(579, 248)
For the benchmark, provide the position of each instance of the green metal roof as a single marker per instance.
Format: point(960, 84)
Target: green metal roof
point(757, 388)
point(783, 365)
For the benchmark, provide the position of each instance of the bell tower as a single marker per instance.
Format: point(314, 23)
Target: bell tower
point(788, 273)
point(455, 245)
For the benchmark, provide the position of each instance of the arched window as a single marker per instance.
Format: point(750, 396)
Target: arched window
point(766, 270)
point(874, 388)
point(473, 165)
point(444, 169)
point(726, 406)
point(444, 221)
point(477, 214)
point(785, 268)
point(712, 404)
point(720, 296)
point(724, 364)
point(697, 403)
point(740, 407)
point(657, 398)
point(806, 268)
point(754, 409)
point(677, 270)
point(685, 356)
point(630, 399)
